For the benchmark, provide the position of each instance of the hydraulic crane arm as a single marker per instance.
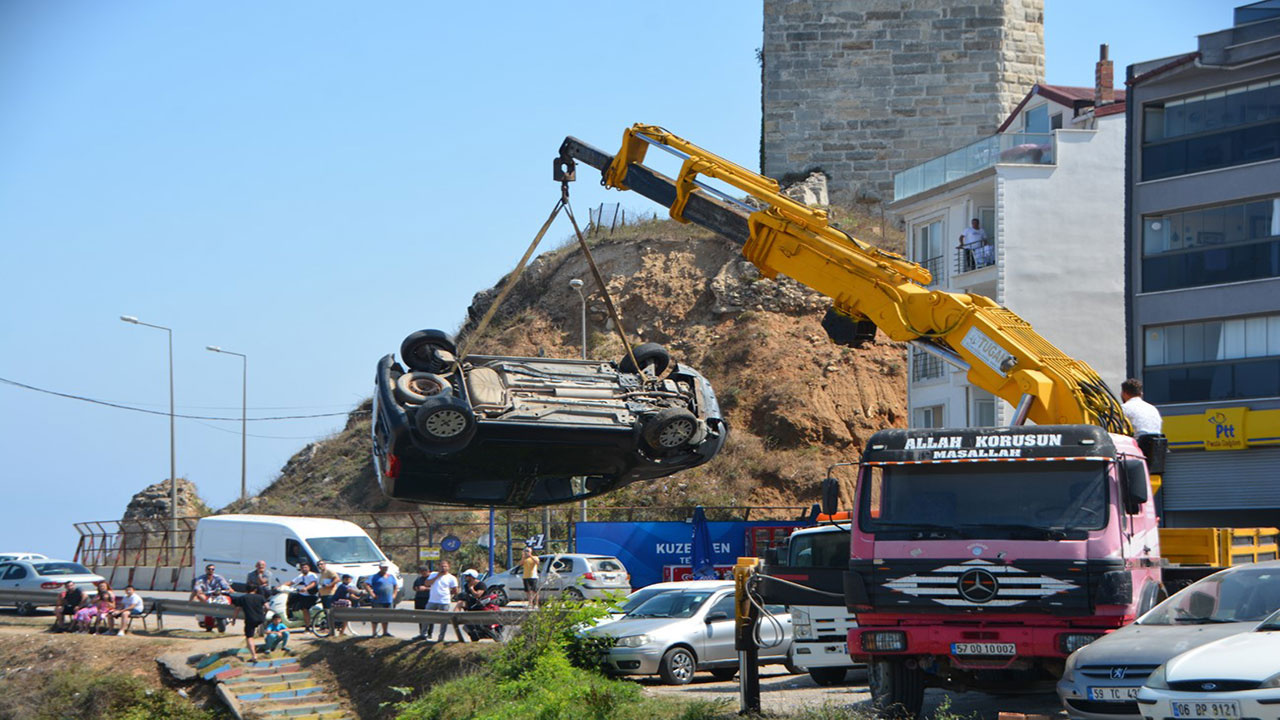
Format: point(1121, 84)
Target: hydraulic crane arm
point(1000, 351)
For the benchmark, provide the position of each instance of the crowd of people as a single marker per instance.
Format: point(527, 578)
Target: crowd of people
point(103, 612)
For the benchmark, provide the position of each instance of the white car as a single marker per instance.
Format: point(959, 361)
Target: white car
point(1235, 677)
point(10, 556)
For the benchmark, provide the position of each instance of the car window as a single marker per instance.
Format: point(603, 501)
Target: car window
point(1243, 595)
point(562, 565)
point(16, 572)
point(639, 597)
point(606, 565)
point(49, 569)
point(723, 605)
point(673, 604)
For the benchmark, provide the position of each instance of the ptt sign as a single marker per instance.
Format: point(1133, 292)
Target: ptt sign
point(1226, 429)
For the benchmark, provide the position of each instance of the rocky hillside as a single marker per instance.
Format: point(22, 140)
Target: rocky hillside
point(796, 402)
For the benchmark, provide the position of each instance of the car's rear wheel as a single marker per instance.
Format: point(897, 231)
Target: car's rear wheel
point(415, 387)
point(25, 608)
point(573, 593)
point(444, 422)
point(419, 351)
point(671, 429)
point(677, 666)
point(646, 354)
point(500, 594)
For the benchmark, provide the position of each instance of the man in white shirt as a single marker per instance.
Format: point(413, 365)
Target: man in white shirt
point(1144, 416)
point(130, 608)
point(305, 586)
point(976, 246)
point(442, 587)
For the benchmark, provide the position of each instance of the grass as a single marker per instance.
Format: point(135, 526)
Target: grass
point(91, 695)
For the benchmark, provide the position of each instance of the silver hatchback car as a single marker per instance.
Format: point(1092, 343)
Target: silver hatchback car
point(574, 576)
point(47, 575)
point(683, 630)
point(1101, 680)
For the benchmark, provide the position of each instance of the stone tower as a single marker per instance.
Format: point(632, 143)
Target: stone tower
point(866, 88)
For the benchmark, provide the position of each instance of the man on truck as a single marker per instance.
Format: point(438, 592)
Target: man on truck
point(1144, 416)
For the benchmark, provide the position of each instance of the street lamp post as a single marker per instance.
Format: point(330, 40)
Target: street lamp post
point(576, 284)
point(244, 409)
point(173, 463)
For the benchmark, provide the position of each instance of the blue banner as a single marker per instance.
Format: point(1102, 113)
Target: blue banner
point(645, 547)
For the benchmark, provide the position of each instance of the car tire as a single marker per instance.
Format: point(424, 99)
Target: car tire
point(828, 676)
point(416, 387)
point(25, 609)
point(678, 666)
point(646, 354)
point(419, 350)
point(445, 419)
point(573, 593)
point(724, 674)
point(500, 595)
point(671, 429)
point(897, 691)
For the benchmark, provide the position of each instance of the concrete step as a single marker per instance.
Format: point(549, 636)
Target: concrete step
point(245, 679)
point(293, 711)
point(240, 691)
point(280, 694)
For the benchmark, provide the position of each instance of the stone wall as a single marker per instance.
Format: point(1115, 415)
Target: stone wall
point(862, 89)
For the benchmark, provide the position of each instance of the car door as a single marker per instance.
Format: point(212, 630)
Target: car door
point(560, 572)
point(513, 581)
point(5, 581)
point(717, 621)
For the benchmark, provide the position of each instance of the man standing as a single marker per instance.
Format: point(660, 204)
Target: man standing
point(384, 586)
point(304, 592)
point(974, 243)
point(259, 580)
point(442, 586)
point(254, 607)
point(69, 601)
point(421, 596)
point(1144, 416)
point(529, 573)
point(328, 583)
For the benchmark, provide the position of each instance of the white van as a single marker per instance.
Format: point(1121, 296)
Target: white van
point(234, 543)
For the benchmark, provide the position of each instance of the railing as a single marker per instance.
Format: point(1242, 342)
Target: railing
point(934, 266)
point(970, 258)
point(925, 366)
point(1028, 148)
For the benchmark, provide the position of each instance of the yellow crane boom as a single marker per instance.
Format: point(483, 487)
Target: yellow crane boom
point(1001, 352)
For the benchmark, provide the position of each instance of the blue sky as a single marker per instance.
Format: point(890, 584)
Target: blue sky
point(306, 183)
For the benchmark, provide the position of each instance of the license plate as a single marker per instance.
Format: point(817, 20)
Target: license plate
point(1215, 710)
point(1113, 693)
point(976, 648)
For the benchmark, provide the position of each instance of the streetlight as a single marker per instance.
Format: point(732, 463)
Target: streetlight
point(173, 464)
point(244, 408)
point(576, 284)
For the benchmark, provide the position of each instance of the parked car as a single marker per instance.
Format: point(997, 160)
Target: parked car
point(44, 574)
point(1101, 680)
point(9, 556)
point(521, 432)
point(1235, 677)
point(572, 575)
point(678, 632)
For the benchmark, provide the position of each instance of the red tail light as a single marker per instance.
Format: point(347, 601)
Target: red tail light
point(50, 585)
point(588, 576)
point(393, 467)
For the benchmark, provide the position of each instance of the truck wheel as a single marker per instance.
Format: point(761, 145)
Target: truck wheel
point(897, 691)
point(828, 676)
point(646, 354)
point(671, 429)
point(419, 350)
point(677, 666)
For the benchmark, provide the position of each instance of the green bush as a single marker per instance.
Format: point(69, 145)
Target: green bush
point(92, 696)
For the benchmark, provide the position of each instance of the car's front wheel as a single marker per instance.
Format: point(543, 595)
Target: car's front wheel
point(677, 666)
point(444, 419)
point(422, 351)
point(26, 608)
point(649, 356)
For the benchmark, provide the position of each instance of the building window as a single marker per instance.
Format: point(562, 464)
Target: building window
point(1213, 130)
point(1036, 120)
point(925, 366)
point(984, 412)
point(927, 417)
point(927, 249)
point(1229, 243)
point(1213, 361)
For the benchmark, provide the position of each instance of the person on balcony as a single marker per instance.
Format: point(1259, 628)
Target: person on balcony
point(975, 247)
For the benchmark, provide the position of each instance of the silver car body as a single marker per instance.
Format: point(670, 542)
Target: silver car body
point(711, 642)
point(591, 576)
point(46, 575)
point(1101, 680)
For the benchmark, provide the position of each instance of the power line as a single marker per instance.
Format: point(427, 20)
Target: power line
point(230, 431)
point(121, 406)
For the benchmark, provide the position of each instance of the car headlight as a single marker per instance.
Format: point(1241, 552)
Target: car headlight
point(1271, 682)
point(632, 641)
point(1156, 679)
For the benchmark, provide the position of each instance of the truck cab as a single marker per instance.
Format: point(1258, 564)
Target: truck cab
point(821, 631)
point(982, 557)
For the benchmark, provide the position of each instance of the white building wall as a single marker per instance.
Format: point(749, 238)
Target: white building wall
point(1062, 256)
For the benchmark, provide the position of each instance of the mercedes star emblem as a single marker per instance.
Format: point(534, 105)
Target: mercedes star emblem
point(977, 586)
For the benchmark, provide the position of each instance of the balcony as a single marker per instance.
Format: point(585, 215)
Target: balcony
point(971, 258)
point(1024, 148)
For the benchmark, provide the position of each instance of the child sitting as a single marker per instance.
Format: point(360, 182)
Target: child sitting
point(277, 634)
point(85, 618)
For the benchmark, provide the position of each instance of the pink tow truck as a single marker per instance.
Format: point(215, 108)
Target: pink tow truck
point(982, 557)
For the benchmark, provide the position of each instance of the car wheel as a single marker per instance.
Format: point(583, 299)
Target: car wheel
point(444, 419)
point(671, 429)
point(501, 596)
point(419, 351)
point(828, 676)
point(677, 666)
point(573, 593)
point(646, 354)
point(724, 674)
point(26, 608)
point(416, 387)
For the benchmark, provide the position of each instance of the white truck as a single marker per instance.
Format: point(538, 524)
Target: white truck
point(821, 631)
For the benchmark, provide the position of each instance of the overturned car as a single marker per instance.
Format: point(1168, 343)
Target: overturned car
point(519, 432)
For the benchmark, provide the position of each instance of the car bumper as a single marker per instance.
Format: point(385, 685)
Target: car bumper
point(1075, 700)
point(633, 661)
point(819, 653)
point(1158, 704)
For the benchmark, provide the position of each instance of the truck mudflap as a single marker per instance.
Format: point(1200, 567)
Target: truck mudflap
point(972, 646)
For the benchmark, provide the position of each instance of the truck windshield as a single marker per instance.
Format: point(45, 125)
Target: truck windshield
point(1016, 500)
point(820, 549)
point(343, 550)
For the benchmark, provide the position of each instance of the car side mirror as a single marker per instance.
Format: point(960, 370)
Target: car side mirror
point(1135, 484)
point(830, 496)
point(716, 617)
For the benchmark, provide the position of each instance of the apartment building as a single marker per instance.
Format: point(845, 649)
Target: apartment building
point(1047, 191)
point(1202, 253)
